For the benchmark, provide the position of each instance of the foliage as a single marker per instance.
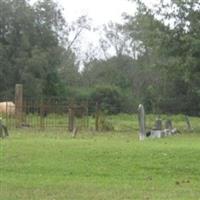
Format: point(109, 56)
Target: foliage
point(170, 52)
point(155, 62)
point(107, 99)
point(113, 71)
point(31, 47)
point(104, 124)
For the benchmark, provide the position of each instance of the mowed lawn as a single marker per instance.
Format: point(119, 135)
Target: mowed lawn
point(104, 166)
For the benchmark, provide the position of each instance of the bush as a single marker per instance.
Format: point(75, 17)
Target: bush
point(108, 98)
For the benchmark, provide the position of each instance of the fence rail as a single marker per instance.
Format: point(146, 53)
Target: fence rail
point(60, 113)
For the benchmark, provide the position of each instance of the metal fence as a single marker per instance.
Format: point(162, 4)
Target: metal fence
point(44, 113)
point(59, 113)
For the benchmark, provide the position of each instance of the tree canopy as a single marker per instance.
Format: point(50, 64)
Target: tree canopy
point(155, 56)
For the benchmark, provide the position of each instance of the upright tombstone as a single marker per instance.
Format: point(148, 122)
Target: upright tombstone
point(141, 120)
point(168, 124)
point(18, 104)
point(158, 124)
point(189, 127)
point(74, 132)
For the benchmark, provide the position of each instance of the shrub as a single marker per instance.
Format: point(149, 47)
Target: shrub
point(108, 98)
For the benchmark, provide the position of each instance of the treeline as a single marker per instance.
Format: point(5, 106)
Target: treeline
point(156, 57)
point(33, 48)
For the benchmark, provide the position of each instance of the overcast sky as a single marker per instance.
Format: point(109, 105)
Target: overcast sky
point(100, 12)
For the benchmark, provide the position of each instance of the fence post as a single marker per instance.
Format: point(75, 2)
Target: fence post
point(97, 113)
point(1, 129)
point(71, 119)
point(141, 120)
point(18, 104)
point(87, 115)
point(6, 113)
point(42, 115)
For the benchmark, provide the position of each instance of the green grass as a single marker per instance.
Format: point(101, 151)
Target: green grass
point(120, 122)
point(53, 166)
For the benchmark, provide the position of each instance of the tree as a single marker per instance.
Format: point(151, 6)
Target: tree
point(116, 39)
point(32, 40)
point(171, 51)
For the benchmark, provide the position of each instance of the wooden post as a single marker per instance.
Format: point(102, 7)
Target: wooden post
point(1, 129)
point(41, 115)
point(6, 113)
point(87, 116)
point(97, 117)
point(141, 120)
point(18, 104)
point(71, 119)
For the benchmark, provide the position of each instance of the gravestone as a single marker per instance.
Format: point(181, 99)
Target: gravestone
point(189, 127)
point(75, 131)
point(141, 120)
point(168, 124)
point(158, 124)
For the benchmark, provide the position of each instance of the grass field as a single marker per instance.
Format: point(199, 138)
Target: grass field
point(112, 165)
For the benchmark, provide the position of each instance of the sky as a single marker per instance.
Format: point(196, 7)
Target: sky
point(101, 12)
